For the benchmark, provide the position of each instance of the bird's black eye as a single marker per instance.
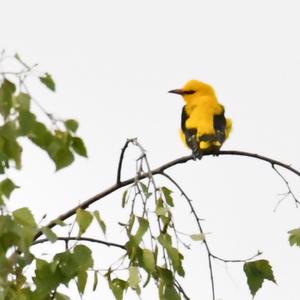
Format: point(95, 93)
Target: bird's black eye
point(190, 92)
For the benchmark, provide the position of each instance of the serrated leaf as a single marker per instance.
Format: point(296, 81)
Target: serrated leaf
point(23, 216)
point(100, 221)
point(148, 260)
point(7, 187)
point(48, 81)
point(168, 195)
point(256, 272)
point(95, 284)
point(294, 237)
point(198, 237)
point(71, 125)
point(78, 146)
point(51, 236)
point(83, 219)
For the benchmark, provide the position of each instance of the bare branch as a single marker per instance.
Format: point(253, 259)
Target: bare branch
point(236, 260)
point(156, 171)
point(85, 239)
point(121, 159)
point(290, 192)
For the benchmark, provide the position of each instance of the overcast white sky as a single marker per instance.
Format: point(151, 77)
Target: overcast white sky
point(114, 61)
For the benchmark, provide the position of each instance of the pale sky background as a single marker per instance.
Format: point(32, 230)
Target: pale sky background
point(113, 62)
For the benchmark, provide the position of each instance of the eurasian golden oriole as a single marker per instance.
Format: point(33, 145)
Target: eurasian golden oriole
point(204, 127)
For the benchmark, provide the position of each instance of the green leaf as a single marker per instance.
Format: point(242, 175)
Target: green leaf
point(148, 260)
point(9, 147)
point(134, 279)
point(100, 221)
point(176, 257)
point(7, 90)
point(81, 281)
point(118, 287)
point(124, 198)
point(82, 255)
point(294, 237)
point(46, 279)
point(198, 237)
point(60, 154)
point(48, 82)
point(23, 101)
point(171, 293)
point(145, 190)
point(161, 211)
point(27, 122)
point(51, 236)
point(256, 272)
point(168, 195)
point(144, 225)
point(71, 125)
point(95, 284)
point(59, 296)
point(79, 147)
point(83, 219)
point(7, 187)
point(166, 276)
point(23, 216)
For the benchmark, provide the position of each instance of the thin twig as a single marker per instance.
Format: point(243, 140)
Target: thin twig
point(236, 260)
point(181, 290)
point(290, 192)
point(86, 239)
point(121, 159)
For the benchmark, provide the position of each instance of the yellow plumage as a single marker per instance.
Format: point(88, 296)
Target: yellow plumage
point(204, 127)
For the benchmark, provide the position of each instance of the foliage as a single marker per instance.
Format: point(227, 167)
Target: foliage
point(256, 272)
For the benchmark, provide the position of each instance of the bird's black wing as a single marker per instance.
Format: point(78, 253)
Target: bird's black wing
point(220, 126)
point(190, 135)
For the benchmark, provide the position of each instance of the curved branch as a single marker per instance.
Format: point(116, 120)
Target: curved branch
point(121, 159)
point(86, 239)
point(156, 171)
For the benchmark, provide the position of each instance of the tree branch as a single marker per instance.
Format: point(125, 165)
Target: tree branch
point(156, 171)
point(86, 239)
point(121, 159)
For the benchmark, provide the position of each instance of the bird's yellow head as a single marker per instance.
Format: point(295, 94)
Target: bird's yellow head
point(193, 87)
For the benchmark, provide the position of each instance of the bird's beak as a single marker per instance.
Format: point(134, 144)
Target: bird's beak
point(177, 91)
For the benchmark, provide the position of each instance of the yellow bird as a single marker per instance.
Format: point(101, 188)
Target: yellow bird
point(204, 127)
